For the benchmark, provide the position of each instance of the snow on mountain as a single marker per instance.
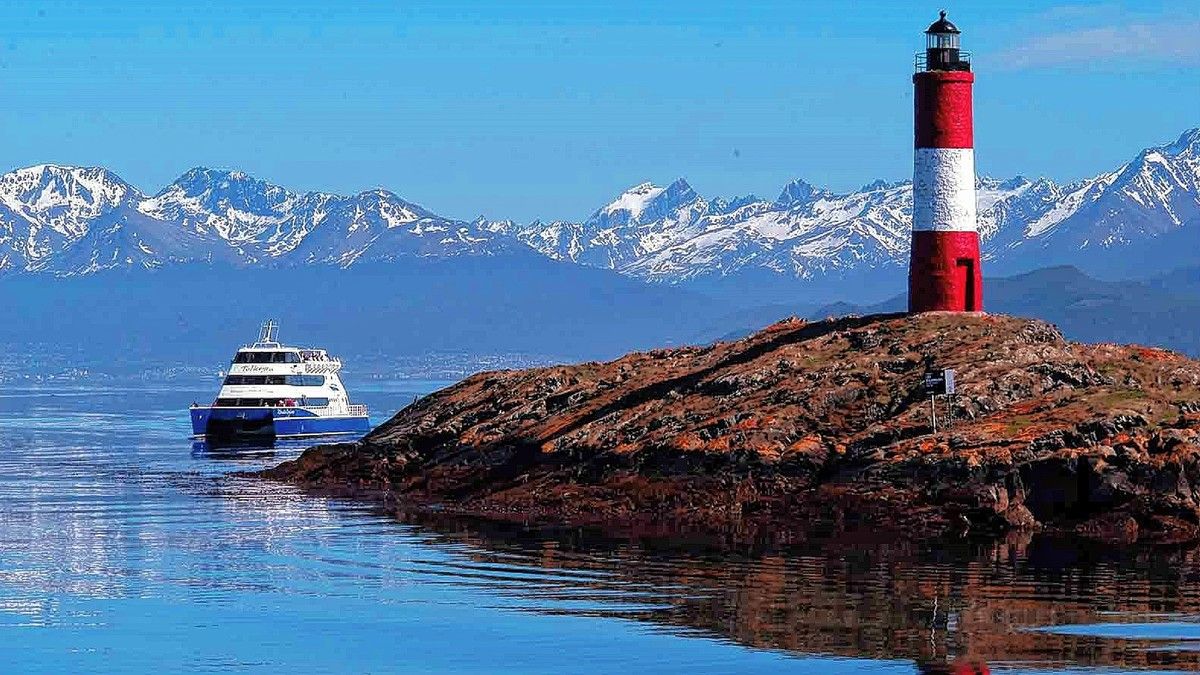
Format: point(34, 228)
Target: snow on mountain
point(1157, 192)
point(1104, 223)
point(639, 222)
point(807, 232)
point(631, 203)
point(265, 222)
point(42, 207)
point(378, 226)
point(807, 235)
point(129, 239)
point(255, 216)
point(69, 220)
point(77, 220)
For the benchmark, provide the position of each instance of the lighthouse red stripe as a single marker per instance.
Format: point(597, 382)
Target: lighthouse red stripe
point(943, 109)
point(944, 274)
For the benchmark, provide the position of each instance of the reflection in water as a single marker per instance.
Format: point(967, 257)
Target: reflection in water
point(954, 668)
point(955, 607)
point(121, 548)
point(257, 449)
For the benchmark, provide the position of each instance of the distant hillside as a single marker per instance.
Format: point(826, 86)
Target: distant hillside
point(516, 303)
point(1084, 308)
point(1183, 281)
point(1163, 312)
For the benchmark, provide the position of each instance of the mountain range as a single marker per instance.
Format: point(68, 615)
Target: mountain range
point(94, 272)
point(71, 221)
point(673, 235)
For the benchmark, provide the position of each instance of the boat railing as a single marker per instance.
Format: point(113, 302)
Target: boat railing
point(327, 366)
point(356, 410)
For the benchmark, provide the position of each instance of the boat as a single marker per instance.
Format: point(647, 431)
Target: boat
point(276, 391)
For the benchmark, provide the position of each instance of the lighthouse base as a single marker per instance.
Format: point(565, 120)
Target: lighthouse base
point(944, 274)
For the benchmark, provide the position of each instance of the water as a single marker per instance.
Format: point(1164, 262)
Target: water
point(123, 548)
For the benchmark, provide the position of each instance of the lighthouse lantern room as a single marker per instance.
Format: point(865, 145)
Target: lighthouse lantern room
point(944, 268)
point(942, 50)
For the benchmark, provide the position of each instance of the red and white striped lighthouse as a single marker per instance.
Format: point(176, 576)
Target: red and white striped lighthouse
point(944, 272)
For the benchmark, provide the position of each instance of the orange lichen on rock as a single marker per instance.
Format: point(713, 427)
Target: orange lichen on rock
point(807, 445)
point(687, 441)
point(1152, 354)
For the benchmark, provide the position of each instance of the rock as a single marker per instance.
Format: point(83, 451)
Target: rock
point(1117, 528)
point(806, 426)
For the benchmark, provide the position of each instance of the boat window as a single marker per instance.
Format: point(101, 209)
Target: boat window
point(240, 403)
point(303, 402)
point(293, 380)
point(266, 357)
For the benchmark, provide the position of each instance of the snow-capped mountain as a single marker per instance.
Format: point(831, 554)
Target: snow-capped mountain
point(71, 220)
point(270, 224)
point(638, 223)
point(378, 226)
point(79, 220)
point(1148, 201)
point(804, 233)
point(809, 233)
point(256, 217)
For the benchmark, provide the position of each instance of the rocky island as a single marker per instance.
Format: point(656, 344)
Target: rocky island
point(809, 428)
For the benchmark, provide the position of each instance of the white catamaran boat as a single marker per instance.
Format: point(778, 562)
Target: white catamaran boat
point(277, 391)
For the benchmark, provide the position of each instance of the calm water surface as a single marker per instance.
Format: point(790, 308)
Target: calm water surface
point(125, 548)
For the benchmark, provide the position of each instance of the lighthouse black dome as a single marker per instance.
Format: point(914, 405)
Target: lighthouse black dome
point(942, 25)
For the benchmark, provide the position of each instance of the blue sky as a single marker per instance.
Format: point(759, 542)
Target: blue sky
point(529, 110)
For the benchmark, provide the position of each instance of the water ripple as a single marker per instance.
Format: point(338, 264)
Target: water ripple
point(123, 547)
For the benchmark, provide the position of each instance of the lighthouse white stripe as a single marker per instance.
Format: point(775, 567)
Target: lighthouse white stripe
point(944, 190)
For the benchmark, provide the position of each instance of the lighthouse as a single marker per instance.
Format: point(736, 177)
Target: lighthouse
point(944, 272)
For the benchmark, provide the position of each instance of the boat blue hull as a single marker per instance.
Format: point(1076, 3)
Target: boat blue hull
point(271, 423)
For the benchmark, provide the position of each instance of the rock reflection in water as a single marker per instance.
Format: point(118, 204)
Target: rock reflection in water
point(949, 607)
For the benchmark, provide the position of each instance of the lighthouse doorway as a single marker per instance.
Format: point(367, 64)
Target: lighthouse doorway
point(966, 282)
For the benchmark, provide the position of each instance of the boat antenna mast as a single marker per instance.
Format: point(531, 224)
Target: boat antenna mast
point(268, 334)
